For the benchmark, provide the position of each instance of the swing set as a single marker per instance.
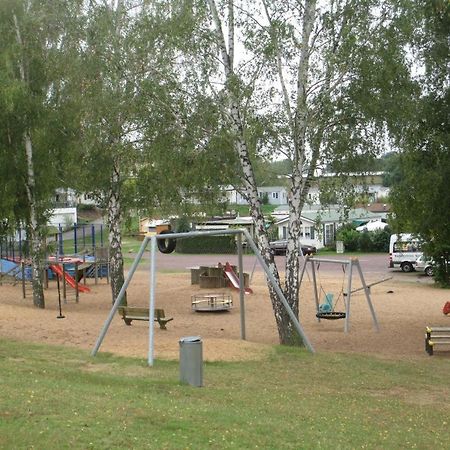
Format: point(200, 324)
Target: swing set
point(327, 310)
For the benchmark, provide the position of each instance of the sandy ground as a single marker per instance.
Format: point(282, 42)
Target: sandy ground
point(403, 310)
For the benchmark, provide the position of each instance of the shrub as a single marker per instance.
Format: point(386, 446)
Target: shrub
point(349, 236)
point(85, 207)
point(364, 242)
point(207, 244)
point(380, 240)
point(182, 225)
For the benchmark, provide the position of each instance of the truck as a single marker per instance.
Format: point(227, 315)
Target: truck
point(404, 249)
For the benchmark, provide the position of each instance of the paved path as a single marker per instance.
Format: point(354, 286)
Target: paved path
point(374, 266)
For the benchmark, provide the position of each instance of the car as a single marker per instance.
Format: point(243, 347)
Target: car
point(279, 247)
point(424, 265)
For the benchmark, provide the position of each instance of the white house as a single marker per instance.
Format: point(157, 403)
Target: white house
point(369, 185)
point(319, 226)
point(64, 217)
point(276, 195)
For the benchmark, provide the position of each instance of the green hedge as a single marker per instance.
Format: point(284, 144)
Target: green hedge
point(366, 241)
point(207, 244)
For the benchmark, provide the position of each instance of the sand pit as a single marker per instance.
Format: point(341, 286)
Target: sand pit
point(403, 315)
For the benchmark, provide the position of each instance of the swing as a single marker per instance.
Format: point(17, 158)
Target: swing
point(327, 309)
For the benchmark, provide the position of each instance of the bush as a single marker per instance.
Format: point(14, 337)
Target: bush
point(349, 236)
point(182, 225)
point(85, 207)
point(364, 242)
point(367, 241)
point(380, 240)
point(207, 244)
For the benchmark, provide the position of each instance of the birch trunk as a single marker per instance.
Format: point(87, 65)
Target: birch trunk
point(34, 229)
point(115, 237)
point(300, 185)
point(237, 125)
point(36, 247)
point(299, 123)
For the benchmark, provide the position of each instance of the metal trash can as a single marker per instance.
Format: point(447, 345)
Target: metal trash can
point(191, 361)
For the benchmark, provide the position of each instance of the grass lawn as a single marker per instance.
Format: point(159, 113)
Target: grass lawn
point(244, 210)
point(56, 398)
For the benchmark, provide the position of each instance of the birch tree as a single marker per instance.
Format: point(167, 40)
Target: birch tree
point(142, 140)
point(33, 138)
point(322, 77)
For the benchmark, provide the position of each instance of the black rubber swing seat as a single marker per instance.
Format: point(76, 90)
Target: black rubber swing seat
point(331, 315)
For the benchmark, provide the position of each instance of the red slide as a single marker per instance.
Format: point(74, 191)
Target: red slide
point(70, 280)
point(234, 279)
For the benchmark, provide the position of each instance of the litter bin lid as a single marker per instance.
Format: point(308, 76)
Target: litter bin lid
point(190, 339)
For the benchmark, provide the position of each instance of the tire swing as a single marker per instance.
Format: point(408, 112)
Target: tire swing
point(327, 310)
point(166, 245)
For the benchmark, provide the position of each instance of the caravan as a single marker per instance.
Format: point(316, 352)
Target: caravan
point(404, 249)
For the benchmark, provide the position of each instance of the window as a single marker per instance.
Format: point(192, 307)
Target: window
point(409, 246)
point(306, 232)
point(329, 233)
point(274, 194)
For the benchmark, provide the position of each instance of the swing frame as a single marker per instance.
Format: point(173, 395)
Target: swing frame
point(349, 264)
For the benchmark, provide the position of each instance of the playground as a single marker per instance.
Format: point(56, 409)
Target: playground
point(403, 310)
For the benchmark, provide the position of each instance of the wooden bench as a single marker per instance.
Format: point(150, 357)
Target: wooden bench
point(130, 313)
point(436, 336)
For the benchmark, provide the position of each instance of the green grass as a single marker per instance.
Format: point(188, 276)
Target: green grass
point(58, 398)
point(244, 210)
point(330, 252)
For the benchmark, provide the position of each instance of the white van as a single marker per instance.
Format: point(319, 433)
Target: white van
point(404, 249)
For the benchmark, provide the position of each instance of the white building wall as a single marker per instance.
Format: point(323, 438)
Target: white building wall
point(63, 216)
point(308, 235)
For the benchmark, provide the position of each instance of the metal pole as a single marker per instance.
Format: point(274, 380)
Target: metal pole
point(280, 294)
point(349, 296)
point(151, 308)
point(367, 291)
point(20, 244)
point(93, 236)
point(371, 284)
point(77, 291)
point(241, 286)
point(303, 271)
point(24, 289)
point(119, 297)
point(253, 270)
point(316, 294)
point(304, 262)
point(64, 282)
point(326, 260)
point(75, 243)
point(61, 240)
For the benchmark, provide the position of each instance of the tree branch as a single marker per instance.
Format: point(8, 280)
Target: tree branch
point(286, 100)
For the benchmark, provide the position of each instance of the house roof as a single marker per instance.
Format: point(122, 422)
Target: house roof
point(232, 221)
point(357, 215)
point(379, 207)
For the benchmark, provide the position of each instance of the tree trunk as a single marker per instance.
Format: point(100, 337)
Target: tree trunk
point(300, 183)
point(33, 225)
point(286, 331)
point(36, 247)
point(115, 237)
